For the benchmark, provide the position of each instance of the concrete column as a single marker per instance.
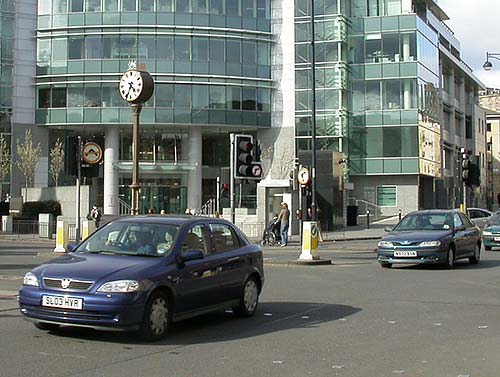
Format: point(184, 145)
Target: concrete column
point(195, 175)
point(406, 47)
point(111, 150)
point(406, 94)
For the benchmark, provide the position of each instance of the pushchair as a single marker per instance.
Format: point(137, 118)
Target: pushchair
point(271, 234)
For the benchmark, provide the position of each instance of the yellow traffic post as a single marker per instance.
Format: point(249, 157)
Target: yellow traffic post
point(88, 228)
point(62, 236)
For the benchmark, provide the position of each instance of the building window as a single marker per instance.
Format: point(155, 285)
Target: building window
point(488, 127)
point(386, 196)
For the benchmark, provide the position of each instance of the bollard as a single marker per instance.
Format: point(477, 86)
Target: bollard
point(62, 236)
point(309, 241)
point(400, 214)
point(368, 219)
point(88, 227)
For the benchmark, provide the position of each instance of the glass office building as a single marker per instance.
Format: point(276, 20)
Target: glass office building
point(210, 60)
point(7, 33)
point(383, 77)
point(394, 100)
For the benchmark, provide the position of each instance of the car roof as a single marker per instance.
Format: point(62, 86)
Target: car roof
point(434, 211)
point(169, 219)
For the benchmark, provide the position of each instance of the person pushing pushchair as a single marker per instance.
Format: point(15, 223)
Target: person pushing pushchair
point(271, 234)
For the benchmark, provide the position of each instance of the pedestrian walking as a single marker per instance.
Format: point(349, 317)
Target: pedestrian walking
point(498, 199)
point(284, 219)
point(96, 215)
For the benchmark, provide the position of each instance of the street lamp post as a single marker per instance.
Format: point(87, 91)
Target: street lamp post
point(314, 202)
point(490, 55)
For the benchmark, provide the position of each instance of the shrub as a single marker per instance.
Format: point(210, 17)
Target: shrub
point(31, 210)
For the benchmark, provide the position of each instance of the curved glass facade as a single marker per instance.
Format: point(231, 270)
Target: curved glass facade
point(210, 60)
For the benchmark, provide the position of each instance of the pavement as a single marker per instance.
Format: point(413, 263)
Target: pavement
point(356, 232)
point(9, 282)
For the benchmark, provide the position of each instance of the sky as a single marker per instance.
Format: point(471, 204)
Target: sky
point(476, 24)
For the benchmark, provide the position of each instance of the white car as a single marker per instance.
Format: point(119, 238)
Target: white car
point(479, 216)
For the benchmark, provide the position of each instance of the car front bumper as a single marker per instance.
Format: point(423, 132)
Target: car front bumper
point(489, 241)
point(116, 311)
point(424, 256)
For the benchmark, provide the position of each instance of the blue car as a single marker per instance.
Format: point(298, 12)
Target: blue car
point(431, 237)
point(143, 273)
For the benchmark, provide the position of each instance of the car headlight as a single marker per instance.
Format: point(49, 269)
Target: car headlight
point(486, 233)
point(120, 286)
point(385, 244)
point(430, 243)
point(30, 279)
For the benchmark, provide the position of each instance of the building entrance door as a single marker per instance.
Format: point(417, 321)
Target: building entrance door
point(157, 196)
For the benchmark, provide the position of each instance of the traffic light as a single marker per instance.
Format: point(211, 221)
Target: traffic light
point(247, 158)
point(466, 167)
point(71, 155)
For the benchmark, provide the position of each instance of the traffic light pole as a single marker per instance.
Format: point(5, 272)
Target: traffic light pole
point(232, 168)
point(78, 182)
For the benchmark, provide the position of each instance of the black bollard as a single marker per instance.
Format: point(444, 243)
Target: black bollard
point(400, 214)
point(368, 219)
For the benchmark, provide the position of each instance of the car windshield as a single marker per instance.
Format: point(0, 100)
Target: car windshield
point(127, 238)
point(425, 221)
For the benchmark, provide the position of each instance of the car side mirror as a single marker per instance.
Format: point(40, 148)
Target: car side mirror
point(388, 229)
point(460, 228)
point(191, 254)
point(71, 247)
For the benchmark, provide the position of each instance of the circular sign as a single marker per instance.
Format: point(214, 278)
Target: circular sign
point(256, 170)
point(303, 176)
point(91, 153)
point(314, 230)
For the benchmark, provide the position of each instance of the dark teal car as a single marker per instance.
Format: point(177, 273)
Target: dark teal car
point(431, 237)
point(143, 273)
point(491, 235)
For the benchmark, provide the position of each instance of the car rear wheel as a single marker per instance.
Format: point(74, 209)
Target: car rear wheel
point(157, 317)
point(487, 248)
point(46, 326)
point(249, 299)
point(450, 260)
point(386, 265)
point(477, 254)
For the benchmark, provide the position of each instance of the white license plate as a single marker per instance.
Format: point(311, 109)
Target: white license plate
point(496, 238)
point(405, 253)
point(62, 302)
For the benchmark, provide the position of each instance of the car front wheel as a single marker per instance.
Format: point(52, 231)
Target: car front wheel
point(249, 299)
point(386, 265)
point(477, 254)
point(157, 317)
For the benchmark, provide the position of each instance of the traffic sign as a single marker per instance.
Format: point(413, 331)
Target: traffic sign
point(91, 153)
point(303, 176)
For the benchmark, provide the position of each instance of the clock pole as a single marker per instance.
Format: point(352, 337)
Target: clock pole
point(136, 109)
point(136, 87)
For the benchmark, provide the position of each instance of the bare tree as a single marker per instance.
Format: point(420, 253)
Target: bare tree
point(280, 164)
point(28, 156)
point(4, 160)
point(56, 161)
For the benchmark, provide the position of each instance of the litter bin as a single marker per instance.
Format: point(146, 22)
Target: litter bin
point(352, 215)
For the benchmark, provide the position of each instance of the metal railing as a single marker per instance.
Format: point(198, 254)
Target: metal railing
point(365, 207)
point(33, 228)
point(209, 207)
point(123, 207)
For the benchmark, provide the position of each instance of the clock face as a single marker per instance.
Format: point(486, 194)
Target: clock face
point(131, 85)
